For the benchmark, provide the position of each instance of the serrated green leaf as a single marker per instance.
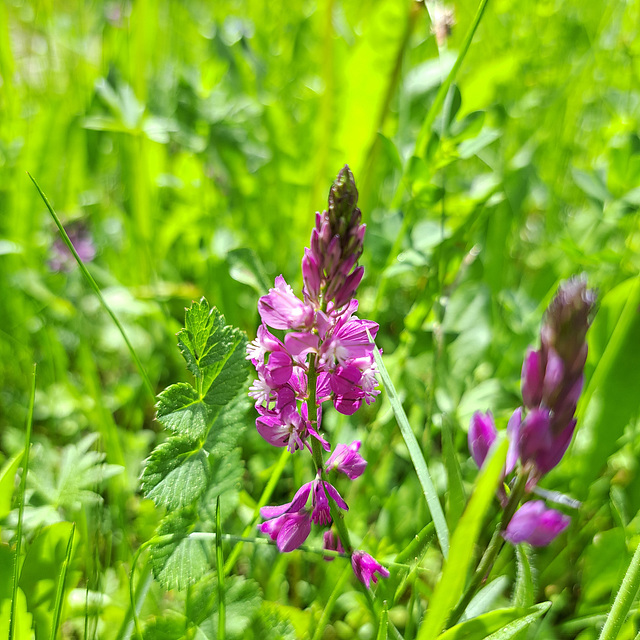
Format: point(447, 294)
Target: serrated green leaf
point(215, 354)
point(229, 426)
point(206, 342)
point(176, 474)
point(181, 561)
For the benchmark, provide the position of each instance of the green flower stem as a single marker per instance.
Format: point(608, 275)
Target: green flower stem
point(316, 449)
point(624, 599)
point(492, 550)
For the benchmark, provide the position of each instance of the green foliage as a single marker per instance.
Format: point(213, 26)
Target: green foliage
point(188, 471)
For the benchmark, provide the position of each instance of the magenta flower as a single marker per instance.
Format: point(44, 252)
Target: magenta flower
point(281, 309)
point(331, 542)
point(365, 567)
point(347, 460)
point(535, 524)
point(320, 511)
point(482, 434)
point(61, 258)
point(289, 530)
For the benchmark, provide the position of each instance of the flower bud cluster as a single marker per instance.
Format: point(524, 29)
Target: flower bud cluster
point(325, 355)
point(540, 432)
point(329, 266)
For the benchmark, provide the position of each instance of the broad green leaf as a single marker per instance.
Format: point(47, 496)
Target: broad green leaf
point(510, 630)
point(182, 560)
point(485, 599)
point(176, 474)
point(181, 409)
point(451, 584)
point(7, 483)
point(500, 621)
point(611, 399)
point(23, 622)
point(523, 592)
point(245, 266)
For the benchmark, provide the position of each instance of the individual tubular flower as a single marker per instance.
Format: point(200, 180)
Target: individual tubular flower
point(331, 542)
point(295, 518)
point(281, 309)
point(534, 523)
point(482, 434)
point(347, 460)
point(365, 567)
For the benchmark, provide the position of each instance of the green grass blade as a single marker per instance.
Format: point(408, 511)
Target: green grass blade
point(523, 592)
point(457, 497)
point(384, 622)
point(220, 572)
point(57, 609)
point(417, 458)
point(331, 602)
point(451, 584)
point(624, 599)
point(96, 289)
point(425, 130)
point(23, 484)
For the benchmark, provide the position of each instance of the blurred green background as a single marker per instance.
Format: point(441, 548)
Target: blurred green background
point(193, 142)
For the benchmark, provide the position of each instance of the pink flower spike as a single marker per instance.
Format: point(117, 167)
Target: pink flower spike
point(281, 309)
point(278, 369)
point(365, 567)
point(535, 524)
point(347, 460)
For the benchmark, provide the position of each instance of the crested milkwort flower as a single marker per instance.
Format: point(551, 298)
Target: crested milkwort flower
point(540, 432)
point(325, 356)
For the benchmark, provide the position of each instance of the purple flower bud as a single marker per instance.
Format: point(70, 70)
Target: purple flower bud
point(553, 378)
point(549, 458)
point(347, 460)
point(535, 524)
point(513, 433)
point(311, 275)
point(535, 437)
point(365, 568)
point(532, 379)
point(331, 542)
point(349, 288)
point(482, 434)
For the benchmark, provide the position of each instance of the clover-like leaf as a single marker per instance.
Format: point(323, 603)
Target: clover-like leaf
point(176, 474)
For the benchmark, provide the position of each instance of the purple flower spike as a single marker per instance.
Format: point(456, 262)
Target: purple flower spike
point(482, 434)
point(365, 567)
point(347, 460)
point(321, 512)
point(535, 524)
point(513, 433)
